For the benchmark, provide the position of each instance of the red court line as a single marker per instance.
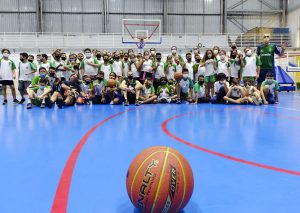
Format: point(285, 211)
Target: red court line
point(60, 202)
point(228, 157)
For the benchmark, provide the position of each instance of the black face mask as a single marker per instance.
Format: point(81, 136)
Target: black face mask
point(87, 82)
point(22, 59)
point(163, 82)
point(98, 55)
point(63, 58)
point(130, 77)
point(233, 47)
point(30, 61)
point(51, 74)
point(117, 58)
point(198, 60)
point(105, 60)
point(158, 58)
point(100, 78)
point(57, 57)
point(201, 82)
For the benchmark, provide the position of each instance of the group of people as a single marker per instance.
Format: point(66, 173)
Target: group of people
point(126, 77)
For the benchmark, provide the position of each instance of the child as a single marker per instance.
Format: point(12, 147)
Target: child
point(221, 88)
point(251, 65)
point(7, 74)
point(209, 63)
point(199, 88)
point(87, 88)
point(112, 95)
point(106, 67)
point(148, 92)
point(26, 74)
point(235, 94)
point(39, 96)
point(169, 68)
point(159, 70)
point(89, 65)
point(131, 89)
point(98, 85)
point(252, 93)
point(235, 65)
point(184, 88)
point(164, 91)
point(222, 64)
point(269, 89)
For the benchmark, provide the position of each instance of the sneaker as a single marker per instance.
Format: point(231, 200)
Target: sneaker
point(111, 103)
point(178, 101)
point(126, 103)
point(43, 105)
point(16, 101)
point(137, 103)
point(59, 103)
point(22, 101)
point(48, 102)
point(4, 102)
point(29, 106)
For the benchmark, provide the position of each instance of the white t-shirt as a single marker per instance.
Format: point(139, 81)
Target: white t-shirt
point(147, 66)
point(126, 68)
point(218, 85)
point(236, 93)
point(88, 69)
point(135, 72)
point(170, 72)
point(234, 69)
point(107, 69)
point(6, 69)
point(118, 67)
point(209, 68)
point(223, 67)
point(250, 66)
point(25, 72)
point(159, 71)
point(189, 66)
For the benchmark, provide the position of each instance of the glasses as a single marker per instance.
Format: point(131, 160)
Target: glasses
point(266, 36)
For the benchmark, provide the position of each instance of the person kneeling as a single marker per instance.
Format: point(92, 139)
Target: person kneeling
point(269, 89)
point(199, 88)
point(39, 95)
point(131, 89)
point(148, 92)
point(184, 88)
point(235, 94)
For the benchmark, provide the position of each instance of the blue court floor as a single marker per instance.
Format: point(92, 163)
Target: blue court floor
point(244, 158)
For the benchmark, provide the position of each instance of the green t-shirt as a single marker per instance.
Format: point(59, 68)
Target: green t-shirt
point(197, 87)
point(266, 54)
point(160, 87)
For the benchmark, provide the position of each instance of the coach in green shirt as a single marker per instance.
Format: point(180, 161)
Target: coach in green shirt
point(266, 52)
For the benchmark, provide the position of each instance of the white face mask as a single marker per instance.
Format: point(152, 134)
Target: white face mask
point(185, 75)
point(174, 51)
point(195, 51)
point(270, 81)
point(216, 52)
point(88, 55)
point(249, 53)
point(152, 52)
point(6, 55)
point(146, 57)
point(209, 55)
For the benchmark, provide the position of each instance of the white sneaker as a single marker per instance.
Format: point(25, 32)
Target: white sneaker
point(111, 103)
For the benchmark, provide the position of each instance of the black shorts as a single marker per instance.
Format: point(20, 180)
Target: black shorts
point(7, 82)
point(131, 97)
point(23, 85)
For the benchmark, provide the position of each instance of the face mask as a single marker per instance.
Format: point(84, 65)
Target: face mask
point(63, 58)
point(56, 57)
point(185, 75)
point(188, 59)
point(51, 74)
point(222, 57)
point(22, 59)
point(30, 61)
point(100, 78)
point(98, 55)
point(216, 52)
point(170, 83)
point(195, 51)
point(163, 82)
point(201, 82)
point(87, 82)
point(174, 51)
point(130, 77)
point(117, 57)
point(105, 60)
point(152, 52)
point(233, 47)
point(158, 58)
point(146, 57)
point(209, 55)
point(198, 60)
point(232, 56)
point(88, 55)
point(42, 75)
point(270, 81)
point(249, 53)
point(6, 55)
point(72, 60)
point(42, 87)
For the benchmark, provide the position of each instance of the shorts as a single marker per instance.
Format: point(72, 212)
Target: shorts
point(184, 96)
point(23, 85)
point(131, 97)
point(116, 95)
point(270, 98)
point(263, 73)
point(210, 79)
point(37, 102)
point(7, 82)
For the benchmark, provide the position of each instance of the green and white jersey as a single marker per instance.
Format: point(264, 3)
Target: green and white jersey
point(107, 69)
point(189, 66)
point(266, 55)
point(178, 67)
point(222, 67)
point(159, 70)
point(126, 68)
point(88, 69)
point(147, 91)
point(147, 66)
point(118, 67)
point(169, 71)
point(186, 84)
point(6, 69)
point(273, 86)
point(55, 63)
point(200, 89)
point(234, 68)
point(25, 71)
point(135, 72)
point(45, 65)
point(251, 62)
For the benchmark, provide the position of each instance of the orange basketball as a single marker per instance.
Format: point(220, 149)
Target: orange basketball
point(160, 179)
point(111, 83)
point(178, 76)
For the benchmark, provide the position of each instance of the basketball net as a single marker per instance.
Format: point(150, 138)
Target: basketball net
point(140, 45)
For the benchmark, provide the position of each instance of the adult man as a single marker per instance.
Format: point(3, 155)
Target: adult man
point(266, 53)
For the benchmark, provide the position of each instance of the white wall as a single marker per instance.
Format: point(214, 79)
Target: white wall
point(293, 22)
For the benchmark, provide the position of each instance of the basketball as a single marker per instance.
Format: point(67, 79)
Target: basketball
point(178, 76)
point(159, 179)
point(111, 83)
